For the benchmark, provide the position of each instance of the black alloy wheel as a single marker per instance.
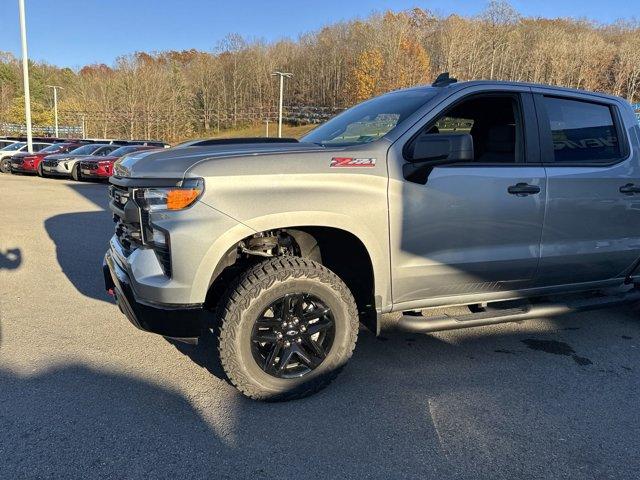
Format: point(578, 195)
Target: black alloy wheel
point(293, 335)
point(286, 328)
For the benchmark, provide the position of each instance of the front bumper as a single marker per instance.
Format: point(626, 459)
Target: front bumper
point(63, 169)
point(94, 173)
point(18, 167)
point(178, 321)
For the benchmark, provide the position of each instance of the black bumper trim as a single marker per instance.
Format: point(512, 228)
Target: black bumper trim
point(181, 321)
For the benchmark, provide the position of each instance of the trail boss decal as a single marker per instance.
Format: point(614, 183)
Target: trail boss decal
point(348, 162)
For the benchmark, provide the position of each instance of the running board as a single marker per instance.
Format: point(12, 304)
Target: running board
point(424, 324)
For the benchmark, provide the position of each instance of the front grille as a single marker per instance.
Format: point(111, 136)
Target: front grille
point(50, 163)
point(89, 165)
point(128, 233)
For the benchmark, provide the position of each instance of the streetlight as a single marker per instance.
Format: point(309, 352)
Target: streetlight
point(25, 76)
point(281, 75)
point(55, 106)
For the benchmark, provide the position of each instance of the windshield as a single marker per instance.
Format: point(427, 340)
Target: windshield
point(13, 147)
point(85, 150)
point(118, 152)
point(52, 148)
point(369, 120)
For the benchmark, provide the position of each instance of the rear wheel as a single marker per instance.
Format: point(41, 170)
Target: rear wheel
point(287, 328)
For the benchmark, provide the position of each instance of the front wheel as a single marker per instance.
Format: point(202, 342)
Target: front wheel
point(75, 173)
point(5, 165)
point(40, 171)
point(287, 328)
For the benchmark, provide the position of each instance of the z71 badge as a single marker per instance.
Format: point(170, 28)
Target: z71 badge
point(345, 162)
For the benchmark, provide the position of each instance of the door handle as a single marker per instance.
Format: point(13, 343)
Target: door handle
point(523, 189)
point(629, 189)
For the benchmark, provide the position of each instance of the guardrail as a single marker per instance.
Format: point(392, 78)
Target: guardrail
point(68, 131)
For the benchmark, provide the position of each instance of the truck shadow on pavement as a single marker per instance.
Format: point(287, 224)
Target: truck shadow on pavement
point(86, 424)
point(81, 240)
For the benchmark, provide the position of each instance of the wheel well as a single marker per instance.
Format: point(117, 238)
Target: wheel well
point(338, 250)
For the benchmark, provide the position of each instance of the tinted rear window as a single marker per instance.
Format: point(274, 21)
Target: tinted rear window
point(582, 131)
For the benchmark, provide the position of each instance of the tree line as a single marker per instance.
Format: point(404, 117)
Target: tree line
point(174, 95)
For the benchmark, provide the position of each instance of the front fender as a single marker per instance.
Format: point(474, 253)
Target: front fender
point(377, 248)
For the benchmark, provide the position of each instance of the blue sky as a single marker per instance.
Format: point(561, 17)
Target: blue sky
point(76, 32)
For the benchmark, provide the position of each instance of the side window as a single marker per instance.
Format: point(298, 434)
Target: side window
point(452, 124)
point(493, 121)
point(582, 131)
point(102, 151)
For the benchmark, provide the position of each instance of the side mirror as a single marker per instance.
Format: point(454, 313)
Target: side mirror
point(446, 148)
point(431, 150)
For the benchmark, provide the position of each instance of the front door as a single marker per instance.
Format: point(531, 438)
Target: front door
point(474, 227)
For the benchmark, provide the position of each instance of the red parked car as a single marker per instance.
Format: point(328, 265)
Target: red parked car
point(32, 162)
point(96, 167)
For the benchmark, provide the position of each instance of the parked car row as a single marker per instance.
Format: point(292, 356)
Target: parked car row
point(77, 159)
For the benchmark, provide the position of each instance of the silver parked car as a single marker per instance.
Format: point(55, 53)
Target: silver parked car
point(67, 164)
point(490, 195)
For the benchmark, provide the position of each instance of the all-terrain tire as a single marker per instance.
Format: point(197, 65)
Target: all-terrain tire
point(245, 301)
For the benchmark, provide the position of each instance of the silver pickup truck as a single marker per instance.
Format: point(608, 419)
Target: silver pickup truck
point(493, 197)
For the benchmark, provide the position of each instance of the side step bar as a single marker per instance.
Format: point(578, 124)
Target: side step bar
point(493, 316)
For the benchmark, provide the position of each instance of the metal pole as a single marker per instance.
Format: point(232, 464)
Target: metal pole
point(267, 122)
point(55, 106)
point(281, 75)
point(280, 107)
point(84, 135)
point(55, 109)
point(25, 76)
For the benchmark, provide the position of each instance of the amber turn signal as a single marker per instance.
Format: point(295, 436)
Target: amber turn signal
point(181, 198)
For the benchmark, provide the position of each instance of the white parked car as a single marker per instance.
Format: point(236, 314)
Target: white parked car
point(10, 150)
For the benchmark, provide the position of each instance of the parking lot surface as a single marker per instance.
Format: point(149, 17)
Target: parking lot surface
point(83, 394)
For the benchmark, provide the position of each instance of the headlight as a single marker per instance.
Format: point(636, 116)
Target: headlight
point(170, 198)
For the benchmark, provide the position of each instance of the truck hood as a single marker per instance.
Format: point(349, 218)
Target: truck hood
point(174, 162)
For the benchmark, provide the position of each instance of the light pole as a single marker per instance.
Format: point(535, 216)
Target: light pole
point(281, 75)
point(25, 76)
point(55, 106)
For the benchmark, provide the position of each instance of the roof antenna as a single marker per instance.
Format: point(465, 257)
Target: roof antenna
point(443, 80)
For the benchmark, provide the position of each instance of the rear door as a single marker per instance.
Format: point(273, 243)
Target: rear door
point(592, 224)
point(467, 230)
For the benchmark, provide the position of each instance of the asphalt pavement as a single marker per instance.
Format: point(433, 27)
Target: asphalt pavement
point(83, 394)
